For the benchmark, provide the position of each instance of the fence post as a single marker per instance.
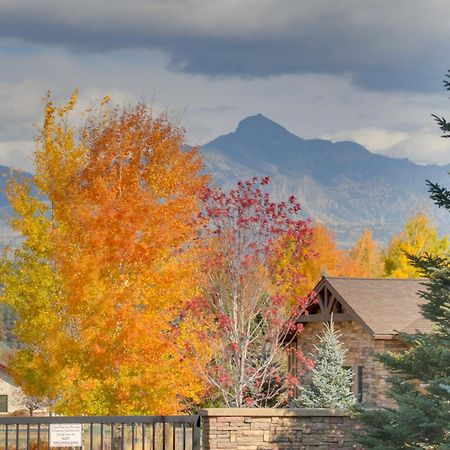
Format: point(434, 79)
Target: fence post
point(196, 430)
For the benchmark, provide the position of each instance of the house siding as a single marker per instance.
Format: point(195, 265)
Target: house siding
point(7, 387)
point(361, 349)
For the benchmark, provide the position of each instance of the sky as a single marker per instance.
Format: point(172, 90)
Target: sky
point(356, 70)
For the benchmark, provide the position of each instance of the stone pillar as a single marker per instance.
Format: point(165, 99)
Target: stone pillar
point(277, 429)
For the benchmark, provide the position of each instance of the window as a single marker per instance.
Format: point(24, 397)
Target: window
point(359, 384)
point(352, 372)
point(3, 403)
point(357, 376)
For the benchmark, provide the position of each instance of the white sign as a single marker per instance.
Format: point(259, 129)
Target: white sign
point(66, 435)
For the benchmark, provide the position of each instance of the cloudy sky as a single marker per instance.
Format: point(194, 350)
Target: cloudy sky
point(369, 71)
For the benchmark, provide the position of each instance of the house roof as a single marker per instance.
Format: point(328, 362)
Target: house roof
point(383, 306)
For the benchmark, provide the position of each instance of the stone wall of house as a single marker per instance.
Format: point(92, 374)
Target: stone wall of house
point(277, 429)
point(361, 347)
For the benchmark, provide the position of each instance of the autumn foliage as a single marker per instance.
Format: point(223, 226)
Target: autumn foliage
point(245, 305)
point(139, 286)
point(364, 259)
point(109, 230)
point(418, 238)
point(325, 258)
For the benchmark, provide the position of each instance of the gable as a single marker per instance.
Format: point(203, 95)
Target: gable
point(327, 303)
point(383, 307)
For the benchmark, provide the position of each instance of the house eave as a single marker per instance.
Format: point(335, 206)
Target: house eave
point(385, 337)
point(325, 317)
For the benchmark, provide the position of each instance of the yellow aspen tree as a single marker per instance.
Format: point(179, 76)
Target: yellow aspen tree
point(418, 238)
point(112, 227)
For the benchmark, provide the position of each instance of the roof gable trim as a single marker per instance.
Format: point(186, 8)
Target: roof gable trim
point(350, 315)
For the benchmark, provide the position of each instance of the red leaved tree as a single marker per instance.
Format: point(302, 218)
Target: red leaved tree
point(247, 314)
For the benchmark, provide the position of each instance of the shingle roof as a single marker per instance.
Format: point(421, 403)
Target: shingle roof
point(386, 306)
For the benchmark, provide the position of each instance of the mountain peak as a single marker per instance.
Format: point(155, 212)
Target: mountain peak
point(259, 123)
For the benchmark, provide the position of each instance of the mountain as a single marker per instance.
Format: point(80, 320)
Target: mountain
point(340, 184)
point(7, 235)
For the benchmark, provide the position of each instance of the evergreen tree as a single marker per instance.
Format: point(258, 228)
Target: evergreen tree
point(331, 383)
point(420, 381)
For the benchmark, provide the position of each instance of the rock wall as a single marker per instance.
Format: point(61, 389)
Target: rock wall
point(277, 429)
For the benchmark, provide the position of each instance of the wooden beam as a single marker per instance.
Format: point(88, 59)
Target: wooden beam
point(321, 302)
point(331, 304)
point(325, 317)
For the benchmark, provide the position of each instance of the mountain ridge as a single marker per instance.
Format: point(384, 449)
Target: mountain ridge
point(341, 184)
point(258, 118)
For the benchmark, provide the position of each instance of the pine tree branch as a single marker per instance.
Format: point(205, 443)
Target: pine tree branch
point(439, 194)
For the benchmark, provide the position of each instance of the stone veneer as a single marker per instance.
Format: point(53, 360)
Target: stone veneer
point(277, 429)
point(361, 348)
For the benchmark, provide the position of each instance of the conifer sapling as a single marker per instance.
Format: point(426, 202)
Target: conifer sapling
point(331, 383)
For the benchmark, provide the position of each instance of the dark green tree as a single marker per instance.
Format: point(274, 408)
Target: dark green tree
point(420, 381)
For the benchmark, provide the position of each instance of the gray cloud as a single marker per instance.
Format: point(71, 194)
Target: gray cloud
point(309, 105)
point(420, 146)
point(17, 155)
point(381, 45)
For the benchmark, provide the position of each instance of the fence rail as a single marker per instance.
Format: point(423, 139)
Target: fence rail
point(104, 432)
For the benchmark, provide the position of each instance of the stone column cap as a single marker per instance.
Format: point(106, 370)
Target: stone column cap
point(273, 412)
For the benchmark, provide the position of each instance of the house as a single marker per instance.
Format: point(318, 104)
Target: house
point(13, 401)
point(369, 313)
point(10, 394)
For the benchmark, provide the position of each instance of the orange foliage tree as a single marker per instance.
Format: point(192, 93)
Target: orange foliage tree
point(114, 232)
point(324, 257)
point(363, 260)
